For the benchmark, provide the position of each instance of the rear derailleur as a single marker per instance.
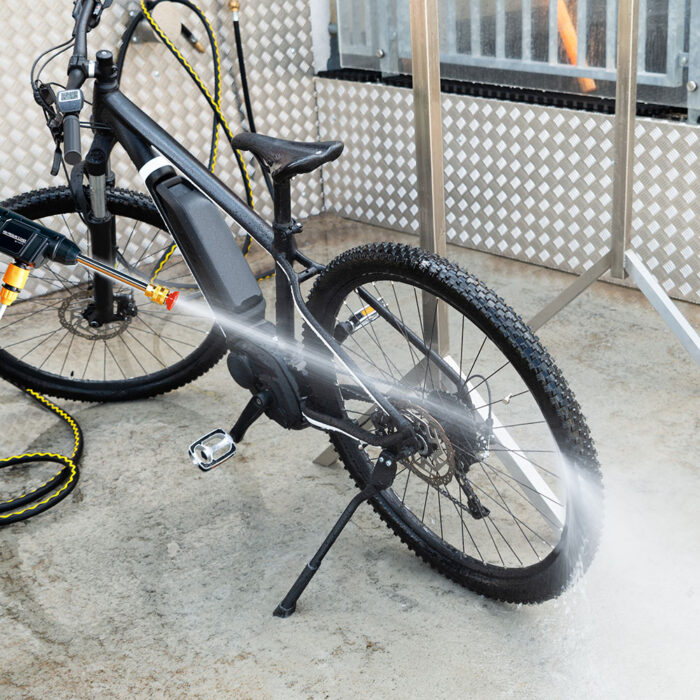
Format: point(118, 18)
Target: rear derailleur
point(453, 437)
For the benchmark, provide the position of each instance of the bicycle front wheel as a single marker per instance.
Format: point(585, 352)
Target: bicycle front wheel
point(504, 495)
point(47, 342)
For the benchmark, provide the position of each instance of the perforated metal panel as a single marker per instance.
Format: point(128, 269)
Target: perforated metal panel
point(277, 40)
point(532, 183)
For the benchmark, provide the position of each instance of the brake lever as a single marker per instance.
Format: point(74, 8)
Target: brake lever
point(57, 158)
point(97, 13)
point(45, 97)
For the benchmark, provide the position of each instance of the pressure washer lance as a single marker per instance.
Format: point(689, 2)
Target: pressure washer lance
point(31, 245)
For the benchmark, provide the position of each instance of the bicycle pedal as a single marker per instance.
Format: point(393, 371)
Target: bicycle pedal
point(212, 449)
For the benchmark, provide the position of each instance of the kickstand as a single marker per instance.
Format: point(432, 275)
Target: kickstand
point(253, 410)
point(382, 477)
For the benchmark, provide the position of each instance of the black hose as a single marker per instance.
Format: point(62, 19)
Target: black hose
point(128, 35)
point(244, 77)
point(218, 117)
point(246, 97)
point(58, 486)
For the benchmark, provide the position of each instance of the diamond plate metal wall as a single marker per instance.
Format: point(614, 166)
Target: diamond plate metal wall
point(277, 38)
point(531, 183)
point(374, 180)
point(666, 205)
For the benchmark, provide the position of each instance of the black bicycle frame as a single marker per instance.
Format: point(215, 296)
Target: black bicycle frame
point(155, 153)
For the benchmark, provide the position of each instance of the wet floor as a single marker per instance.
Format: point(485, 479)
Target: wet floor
point(154, 579)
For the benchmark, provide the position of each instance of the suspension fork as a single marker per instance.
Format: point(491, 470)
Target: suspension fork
point(102, 227)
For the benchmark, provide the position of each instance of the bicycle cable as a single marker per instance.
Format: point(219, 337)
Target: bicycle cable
point(62, 483)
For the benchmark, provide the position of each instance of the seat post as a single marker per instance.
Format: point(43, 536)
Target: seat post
point(284, 228)
point(282, 203)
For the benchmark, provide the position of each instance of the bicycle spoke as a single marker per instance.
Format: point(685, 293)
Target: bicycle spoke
point(523, 523)
point(28, 315)
point(46, 359)
point(154, 333)
point(506, 400)
point(403, 326)
point(131, 233)
point(146, 348)
point(121, 337)
point(67, 355)
point(26, 340)
point(175, 323)
point(165, 337)
point(70, 230)
point(503, 476)
point(87, 362)
point(505, 505)
point(430, 349)
point(119, 367)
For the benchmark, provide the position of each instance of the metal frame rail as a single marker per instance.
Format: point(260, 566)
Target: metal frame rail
point(379, 29)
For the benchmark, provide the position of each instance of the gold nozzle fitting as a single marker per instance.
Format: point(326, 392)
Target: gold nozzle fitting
point(199, 46)
point(234, 5)
point(13, 282)
point(161, 295)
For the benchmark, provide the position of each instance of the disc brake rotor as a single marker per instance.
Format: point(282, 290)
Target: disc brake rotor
point(435, 462)
point(70, 314)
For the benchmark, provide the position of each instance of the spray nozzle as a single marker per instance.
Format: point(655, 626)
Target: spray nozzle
point(31, 245)
point(161, 295)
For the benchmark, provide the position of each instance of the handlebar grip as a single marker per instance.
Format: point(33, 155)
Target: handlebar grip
point(71, 139)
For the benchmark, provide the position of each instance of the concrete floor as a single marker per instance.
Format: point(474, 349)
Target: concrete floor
point(156, 580)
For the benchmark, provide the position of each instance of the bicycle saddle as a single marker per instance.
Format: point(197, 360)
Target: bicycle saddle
point(285, 159)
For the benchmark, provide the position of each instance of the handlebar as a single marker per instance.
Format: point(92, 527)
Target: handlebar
point(84, 11)
point(76, 78)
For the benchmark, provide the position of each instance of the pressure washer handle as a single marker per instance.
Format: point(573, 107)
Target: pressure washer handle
point(71, 139)
point(32, 244)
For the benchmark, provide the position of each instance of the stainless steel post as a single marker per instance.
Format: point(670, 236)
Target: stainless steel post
point(425, 50)
point(625, 117)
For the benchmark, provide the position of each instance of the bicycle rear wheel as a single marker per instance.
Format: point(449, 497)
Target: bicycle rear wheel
point(505, 495)
point(46, 342)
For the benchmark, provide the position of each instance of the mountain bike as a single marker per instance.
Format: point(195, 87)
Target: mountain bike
point(442, 404)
